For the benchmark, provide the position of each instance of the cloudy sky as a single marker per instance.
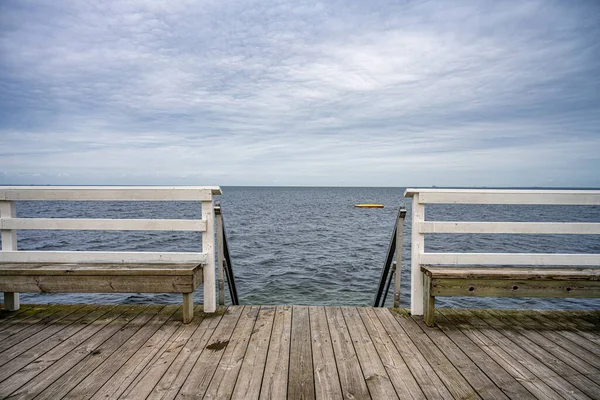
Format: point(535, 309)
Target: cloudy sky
point(291, 92)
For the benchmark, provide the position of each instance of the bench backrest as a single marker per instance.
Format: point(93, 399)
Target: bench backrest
point(9, 223)
point(493, 196)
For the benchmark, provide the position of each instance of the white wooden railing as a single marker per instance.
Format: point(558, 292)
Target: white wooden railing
point(493, 196)
point(9, 224)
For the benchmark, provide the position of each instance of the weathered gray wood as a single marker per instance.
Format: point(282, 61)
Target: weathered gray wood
point(327, 381)
point(125, 375)
point(548, 336)
point(17, 344)
point(100, 284)
point(27, 326)
point(79, 269)
point(300, 379)
point(48, 369)
point(145, 383)
point(275, 377)
point(191, 348)
point(97, 377)
point(561, 385)
point(223, 380)
point(247, 385)
point(200, 375)
point(488, 365)
point(516, 273)
point(479, 381)
point(374, 373)
point(404, 383)
point(188, 307)
point(453, 380)
point(352, 380)
point(424, 374)
point(428, 301)
point(560, 367)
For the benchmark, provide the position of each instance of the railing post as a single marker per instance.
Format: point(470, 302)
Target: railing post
point(208, 247)
point(8, 209)
point(220, 256)
point(417, 249)
point(398, 267)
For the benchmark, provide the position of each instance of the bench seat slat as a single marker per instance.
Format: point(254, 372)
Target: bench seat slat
point(46, 269)
point(101, 284)
point(547, 273)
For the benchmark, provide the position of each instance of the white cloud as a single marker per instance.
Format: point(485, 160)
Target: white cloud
point(445, 93)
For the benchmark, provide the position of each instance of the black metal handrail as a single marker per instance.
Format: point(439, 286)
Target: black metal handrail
point(391, 269)
point(225, 260)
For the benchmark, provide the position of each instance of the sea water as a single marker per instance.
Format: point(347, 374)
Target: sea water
point(307, 245)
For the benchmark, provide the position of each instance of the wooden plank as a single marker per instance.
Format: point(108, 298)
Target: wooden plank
point(478, 379)
point(505, 196)
point(424, 374)
point(30, 381)
point(97, 377)
point(539, 369)
point(18, 344)
point(248, 383)
point(404, 383)
point(510, 259)
point(99, 284)
point(515, 288)
point(103, 224)
point(551, 338)
point(275, 376)
point(417, 250)
point(475, 330)
point(143, 385)
point(487, 364)
point(446, 371)
point(524, 273)
point(9, 318)
point(536, 228)
point(83, 369)
point(97, 269)
point(201, 373)
point(32, 354)
point(428, 301)
point(375, 374)
point(109, 193)
point(225, 376)
point(351, 376)
point(126, 374)
point(27, 326)
point(191, 348)
point(541, 353)
point(103, 257)
point(327, 381)
point(301, 384)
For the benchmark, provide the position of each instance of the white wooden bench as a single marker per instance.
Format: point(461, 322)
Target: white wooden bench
point(507, 282)
point(478, 274)
point(107, 272)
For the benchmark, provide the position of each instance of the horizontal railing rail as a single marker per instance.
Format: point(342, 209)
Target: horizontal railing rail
point(420, 227)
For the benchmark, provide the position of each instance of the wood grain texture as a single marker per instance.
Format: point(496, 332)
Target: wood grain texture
point(300, 379)
point(145, 352)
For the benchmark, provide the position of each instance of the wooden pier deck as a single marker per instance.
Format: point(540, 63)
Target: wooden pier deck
point(268, 352)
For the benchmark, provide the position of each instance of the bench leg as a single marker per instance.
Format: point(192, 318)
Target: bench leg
point(11, 301)
point(428, 302)
point(188, 307)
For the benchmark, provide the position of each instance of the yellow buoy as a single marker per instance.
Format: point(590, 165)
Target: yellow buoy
point(369, 205)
